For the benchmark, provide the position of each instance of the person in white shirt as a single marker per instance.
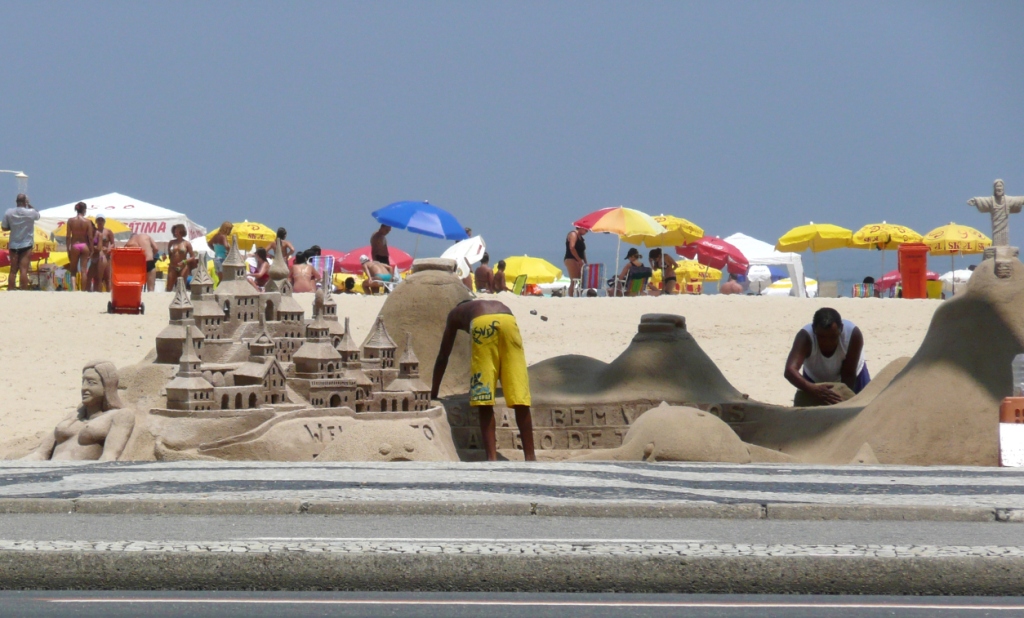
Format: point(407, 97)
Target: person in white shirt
point(828, 350)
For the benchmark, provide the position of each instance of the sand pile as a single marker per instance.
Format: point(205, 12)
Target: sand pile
point(662, 363)
point(420, 306)
point(941, 408)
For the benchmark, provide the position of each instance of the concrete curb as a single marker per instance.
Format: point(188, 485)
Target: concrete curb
point(679, 510)
point(440, 572)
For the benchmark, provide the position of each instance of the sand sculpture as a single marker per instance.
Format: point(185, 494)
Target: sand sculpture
point(98, 429)
point(1000, 206)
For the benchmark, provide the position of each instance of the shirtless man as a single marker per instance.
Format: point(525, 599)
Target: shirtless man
point(303, 276)
point(375, 272)
point(499, 278)
point(484, 276)
point(145, 242)
point(287, 248)
point(379, 245)
point(497, 354)
point(732, 286)
point(99, 429)
point(181, 255)
point(99, 264)
point(79, 239)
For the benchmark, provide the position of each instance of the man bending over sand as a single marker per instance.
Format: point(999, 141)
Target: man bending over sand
point(497, 354)
point(828, 350)
point(145, 242)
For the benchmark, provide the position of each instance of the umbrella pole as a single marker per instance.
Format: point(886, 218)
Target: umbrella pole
point(952, 276)
point(618, 245)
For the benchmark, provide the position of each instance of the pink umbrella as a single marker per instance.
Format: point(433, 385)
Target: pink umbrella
point(716, 253)
point(893, 277)
point(350, 263)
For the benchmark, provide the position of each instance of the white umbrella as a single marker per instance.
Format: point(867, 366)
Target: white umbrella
point(784, 287)
point(955, 280)
point(759, 277)
point(466, 253)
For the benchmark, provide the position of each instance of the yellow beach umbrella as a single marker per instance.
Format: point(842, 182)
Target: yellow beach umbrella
point(678, 231)
point(115, 226)
point(814, 236)
point(956, 239)
point(884, 236)
point(537, 270)
point(250, 234)
point(41, 242)
point(692, 270)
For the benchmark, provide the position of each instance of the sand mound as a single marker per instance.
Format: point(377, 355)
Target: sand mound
point(662, 363)
point(676, 433)
point(420, 306)
point(942, 408)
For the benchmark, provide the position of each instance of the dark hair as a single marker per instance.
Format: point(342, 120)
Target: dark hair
point(301, 257)
point(176, 226)
point(262, 253)
point(350, 283)
point(485, 259)
point(654, 254)
point(314, 250)
point(869, 279)
point(282, 233)
point(80, 207)
point(826, 317)
point(632, 252)
point(501, 264)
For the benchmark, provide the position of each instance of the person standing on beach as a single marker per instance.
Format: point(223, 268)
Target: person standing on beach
point(20, 221)
point(181, 255)
point(102, 246)
point(497, 354)
point(668, 265)
point(575, 256)
point(379, 245)
point(826, 351)
point(78, 239)
point(287, 248)
point(484, 276)
point(220, 243)
point(145, 242)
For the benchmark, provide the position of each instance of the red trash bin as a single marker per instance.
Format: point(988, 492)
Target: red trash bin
point(913, 259)
point(127, 280)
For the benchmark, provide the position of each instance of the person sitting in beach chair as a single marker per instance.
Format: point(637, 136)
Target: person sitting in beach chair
point(825, 353)
point(634, 275)
point(377, 275)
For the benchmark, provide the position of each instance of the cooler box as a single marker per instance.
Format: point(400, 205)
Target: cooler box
point(127, 280)
point(914, 269)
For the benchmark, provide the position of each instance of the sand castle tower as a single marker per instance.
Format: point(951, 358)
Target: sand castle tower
point(170, 339)
point(189, 390)
point(317, 358)
point(278, 269)
point(331, 314)
point(206, 311)
point(262, 368)
point(238, 299)
point(353, 367)
point(415, 394)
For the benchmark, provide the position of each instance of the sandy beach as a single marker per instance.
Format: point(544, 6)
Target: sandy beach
point(48, 337)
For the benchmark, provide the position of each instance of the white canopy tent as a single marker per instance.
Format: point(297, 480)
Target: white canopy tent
point(141, 217)
point(759, 252)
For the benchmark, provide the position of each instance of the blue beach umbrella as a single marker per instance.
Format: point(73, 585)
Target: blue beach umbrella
point(421, 218)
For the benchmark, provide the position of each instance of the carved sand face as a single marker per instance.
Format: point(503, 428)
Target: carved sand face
point(92, 389)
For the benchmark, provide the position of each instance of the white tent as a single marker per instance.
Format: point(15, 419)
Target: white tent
point(759, 252)
point(142, 217)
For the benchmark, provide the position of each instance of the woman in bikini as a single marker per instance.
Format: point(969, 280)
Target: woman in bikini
point(219, 244)
point(99, 263)
point(79, 243)
point(261, 276)
point(181, 255)
point(667, 265)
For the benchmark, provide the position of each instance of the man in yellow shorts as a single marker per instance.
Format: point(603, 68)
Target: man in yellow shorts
point(497, 354)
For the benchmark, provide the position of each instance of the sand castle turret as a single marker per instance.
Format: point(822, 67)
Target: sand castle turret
point(317, 358)
point(171, 338)
point(189, 390)
point(237, 298)
point(206, 312)
point(379, 346)
point(414, 393)
point(278, 269)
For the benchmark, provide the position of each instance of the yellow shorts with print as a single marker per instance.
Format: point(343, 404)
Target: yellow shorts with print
point(497, 354)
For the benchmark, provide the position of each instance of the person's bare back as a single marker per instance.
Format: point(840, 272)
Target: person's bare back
point(304, 277)
point(144, 242)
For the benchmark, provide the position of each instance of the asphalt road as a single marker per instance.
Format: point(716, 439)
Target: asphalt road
point(40, 604)
point(313, 527)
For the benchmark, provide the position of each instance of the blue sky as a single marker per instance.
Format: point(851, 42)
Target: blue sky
point(520, 117)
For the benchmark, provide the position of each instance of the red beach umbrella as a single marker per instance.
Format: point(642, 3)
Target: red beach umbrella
point(350, 263)
point(716, 253)
point(893, 277)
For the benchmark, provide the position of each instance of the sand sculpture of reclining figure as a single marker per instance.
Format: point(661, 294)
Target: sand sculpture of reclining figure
point(98, 429)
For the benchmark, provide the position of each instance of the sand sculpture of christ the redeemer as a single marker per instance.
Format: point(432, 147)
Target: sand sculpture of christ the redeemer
point(1001, 206)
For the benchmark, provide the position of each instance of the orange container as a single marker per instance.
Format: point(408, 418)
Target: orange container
point(914, 270)
point(127, 280)
point(1011, 410)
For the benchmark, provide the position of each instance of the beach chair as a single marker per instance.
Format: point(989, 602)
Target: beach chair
point(863, 290)
point(635, 286)
point(593, 279)
point(324, 264)
point(519, 285)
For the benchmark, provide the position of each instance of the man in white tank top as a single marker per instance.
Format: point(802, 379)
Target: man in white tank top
point(829, 349)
